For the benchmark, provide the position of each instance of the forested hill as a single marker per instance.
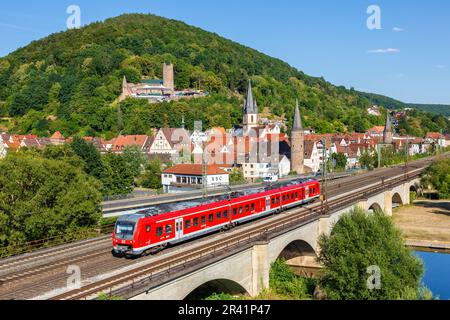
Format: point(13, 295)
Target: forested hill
point(70, 82)
point(391, 103)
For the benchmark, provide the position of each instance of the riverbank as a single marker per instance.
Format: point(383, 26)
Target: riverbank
point(425, 224)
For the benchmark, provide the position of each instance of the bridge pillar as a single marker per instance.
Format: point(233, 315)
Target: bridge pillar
point(260, 268)
point(324, 225)
point(363, 205)
point(388, 203)
point(406, 194)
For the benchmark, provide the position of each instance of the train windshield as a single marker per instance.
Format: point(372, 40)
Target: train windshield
point(125, 230)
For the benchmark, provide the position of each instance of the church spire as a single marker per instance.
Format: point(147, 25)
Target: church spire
point(297, 118)
point(388, 133)
point(250, 106)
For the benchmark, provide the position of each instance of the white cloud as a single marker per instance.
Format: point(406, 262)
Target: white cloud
point(388, 50)
point(398, 29)
point(16, 27)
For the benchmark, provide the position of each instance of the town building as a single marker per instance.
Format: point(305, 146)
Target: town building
point(122, 142)
point(312, 158)
point(189, 177)
point(173, 141)
point(436, 138)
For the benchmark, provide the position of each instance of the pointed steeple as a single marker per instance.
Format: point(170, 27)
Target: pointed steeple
point(388, 133)
point(388, 127)
point(250, 106)
point(297, 118)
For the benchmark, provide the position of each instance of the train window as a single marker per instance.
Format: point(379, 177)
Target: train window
point(159, 232)
point(247, 208)
point(219, 215)
point(234, 211)
point(273, 200)
point(225, 214)
point(147, 228)
point(240, 210)
point(169, 229)
point(211, 218)
point(296, 195)
point(188, 224)
point(203, 220)
point(253, 207)
point(195, 222)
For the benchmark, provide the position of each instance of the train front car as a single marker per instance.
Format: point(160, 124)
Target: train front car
point(123, 235)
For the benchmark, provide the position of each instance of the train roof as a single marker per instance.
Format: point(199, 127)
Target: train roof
point(188, 204)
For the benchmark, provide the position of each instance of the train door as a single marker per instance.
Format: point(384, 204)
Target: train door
point(178, 228)
point(267, 203)
point(306, 193)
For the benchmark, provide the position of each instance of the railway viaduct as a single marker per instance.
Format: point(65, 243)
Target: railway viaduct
point(247, 271)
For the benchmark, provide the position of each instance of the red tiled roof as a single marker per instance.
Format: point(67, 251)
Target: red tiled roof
point(434, 135)
point(57, 136)
point(127, 141)
point(194, 170)
point(379, 129)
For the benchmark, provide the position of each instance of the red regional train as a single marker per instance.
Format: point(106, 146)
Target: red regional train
point(151, 230)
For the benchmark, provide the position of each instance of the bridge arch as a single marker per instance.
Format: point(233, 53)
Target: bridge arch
point(216, 286)
point(397, 200)
point(375, 207)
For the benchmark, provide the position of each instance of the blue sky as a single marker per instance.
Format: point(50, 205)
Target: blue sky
point(320, 37)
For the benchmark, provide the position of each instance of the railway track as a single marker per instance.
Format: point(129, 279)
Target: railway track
point(45, 269)
point(143, 276)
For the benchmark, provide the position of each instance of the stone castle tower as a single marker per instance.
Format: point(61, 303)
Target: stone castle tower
point(388, 135)
point(297, 143)
point(251, 119)
point(168, 76)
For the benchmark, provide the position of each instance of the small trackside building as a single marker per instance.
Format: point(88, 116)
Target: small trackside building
point(189, 177)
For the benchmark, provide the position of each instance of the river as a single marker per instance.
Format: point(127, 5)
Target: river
point(437, 273)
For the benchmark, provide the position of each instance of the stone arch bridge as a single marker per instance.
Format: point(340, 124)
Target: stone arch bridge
point(247, 271)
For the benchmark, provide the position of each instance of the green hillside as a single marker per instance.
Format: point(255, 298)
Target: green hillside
point(391, 103)
point(434, 108)
point(70, 82)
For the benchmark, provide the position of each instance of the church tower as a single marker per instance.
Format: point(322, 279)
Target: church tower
point(297, 143)
point(388, 135)
point(250, 110)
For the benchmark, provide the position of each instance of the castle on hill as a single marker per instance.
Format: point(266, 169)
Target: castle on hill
point(158, 90)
